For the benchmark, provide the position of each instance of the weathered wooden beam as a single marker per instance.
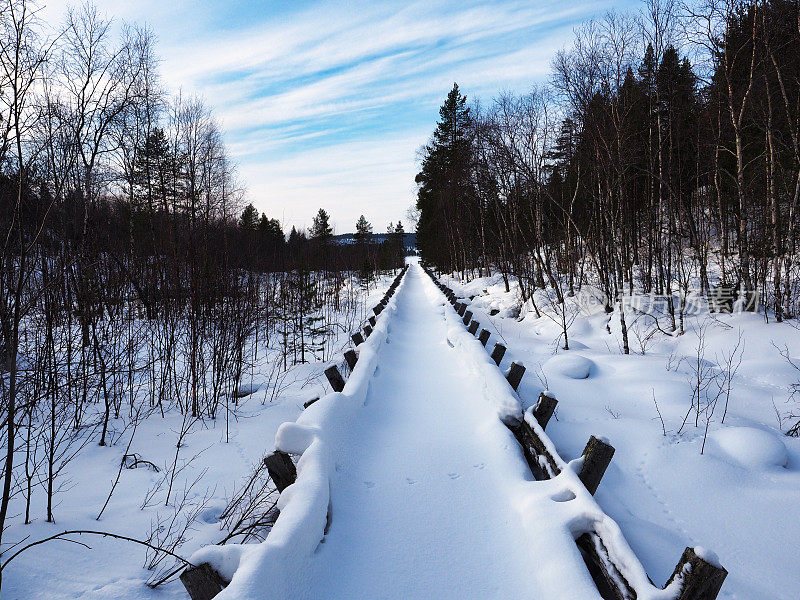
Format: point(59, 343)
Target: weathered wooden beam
point(378, 309)
point(281, 469)
point(609, 581)
point(334, 378)
point(498, 353)
point(352, 358)
point(308, 403)
point(473, 327)
point(467, 317)
point(357, 338)
point(544, 409)
point(702, 580)
point(483, 338)
point(372, 320)
point(202, 582)
point(515, 374)
point(542, 464)
point(596, 458)
point(462, 309)
point(367, 330)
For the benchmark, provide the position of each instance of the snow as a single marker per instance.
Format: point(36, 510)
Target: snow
point(708, 556)
point(753, 448)
point(218, 455)
point(661, 491)
point(573, 366)
point(410, 484)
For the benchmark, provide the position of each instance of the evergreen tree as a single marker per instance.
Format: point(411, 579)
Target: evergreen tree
point(321, 230)
point(363, 232)
point(249, 218)
point(444, 191)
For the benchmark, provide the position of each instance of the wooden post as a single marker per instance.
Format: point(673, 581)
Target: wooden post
point(467, 317)
point(498, 353)
point(378, 309)
point(357, 338)
point(515, 375)
point(544, 409)
point(372, 321)
point(473, 327)
point(462, 309)
point(367, 330)
point(701, 580)
point(202, 582)
point(352, 358)
point(483, 338)
point(334, 378)
point(281, 469)
point(596, 458)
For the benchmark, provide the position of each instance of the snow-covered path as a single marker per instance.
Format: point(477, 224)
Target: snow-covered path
point(427, 495)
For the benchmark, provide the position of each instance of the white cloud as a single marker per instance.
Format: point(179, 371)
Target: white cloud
point(317, 99)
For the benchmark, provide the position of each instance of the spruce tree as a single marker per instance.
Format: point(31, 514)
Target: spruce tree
point(363, 232)
point(249, 219)
point(321, 230)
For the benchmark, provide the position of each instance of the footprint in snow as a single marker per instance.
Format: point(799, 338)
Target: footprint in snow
point(479, 466)
point(411, 481)
point(453, 475)
point(369, 484)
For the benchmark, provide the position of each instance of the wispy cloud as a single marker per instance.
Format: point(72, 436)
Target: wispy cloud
point(325, 103)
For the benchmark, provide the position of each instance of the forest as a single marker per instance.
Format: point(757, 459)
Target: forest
point(661, 157)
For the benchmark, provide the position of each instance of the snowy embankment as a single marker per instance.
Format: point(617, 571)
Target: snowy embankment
point(215, 460)
point(667, 490)
point(260, 569)
point(574, 506)
point(411, 485)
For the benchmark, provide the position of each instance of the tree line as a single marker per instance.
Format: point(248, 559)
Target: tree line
point(662, 156)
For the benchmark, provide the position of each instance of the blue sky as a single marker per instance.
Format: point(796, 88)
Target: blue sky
point(325, 104)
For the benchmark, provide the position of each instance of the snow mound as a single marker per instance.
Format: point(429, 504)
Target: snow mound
point(752, 448)
point(573, 366)
point(246, 389)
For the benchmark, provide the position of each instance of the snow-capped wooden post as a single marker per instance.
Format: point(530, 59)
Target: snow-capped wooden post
point(281, 469)
point(473, 327)
point(202, 582)
point(596, 458)
point(483, 338)
point(702, 580)
point(367, 330)
point(352, 358)
point(357, 338)
point(467, 317)
point(515, 374)
point(544, 409)
point(498, 353)
point(334, 378)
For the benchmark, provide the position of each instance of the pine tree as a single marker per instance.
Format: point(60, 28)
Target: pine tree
point(444, 190)
point(363, 232)
point(321, 230)
point(249, 218)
